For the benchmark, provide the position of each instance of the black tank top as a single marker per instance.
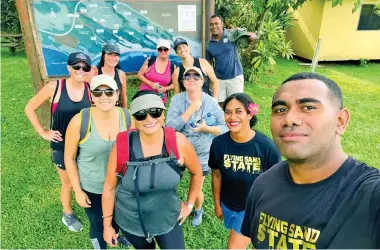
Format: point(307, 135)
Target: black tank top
point(206, 84)
point(117, 80)
point(65, 111)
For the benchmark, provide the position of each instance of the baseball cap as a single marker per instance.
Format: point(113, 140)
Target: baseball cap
point(146, 102)
point(178, 42)
point(103, 80)
point(163, 43)
point(109, 48)
point(196, 69)
point(79, 57)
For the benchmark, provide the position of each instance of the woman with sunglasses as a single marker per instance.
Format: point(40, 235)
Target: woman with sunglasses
point(147, 205)
point(190, 113)
point(110, 65)
point(183, 51)
point(237, 158)
point(86, 158)
point(158, 76)
point(67, 97)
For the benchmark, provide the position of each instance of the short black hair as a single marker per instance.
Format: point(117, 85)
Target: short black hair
point(101, 62)
point(144, 92)
point(245, 100)
point(334, 89)
point(218, 16)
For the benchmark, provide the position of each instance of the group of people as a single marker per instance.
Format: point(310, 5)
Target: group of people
point(124, 166)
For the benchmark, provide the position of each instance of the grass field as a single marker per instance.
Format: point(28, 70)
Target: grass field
point(31, 211)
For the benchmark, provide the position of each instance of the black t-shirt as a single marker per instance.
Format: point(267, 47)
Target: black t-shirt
point(240, 164)
point(342, 211)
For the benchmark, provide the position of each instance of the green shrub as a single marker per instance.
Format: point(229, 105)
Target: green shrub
point(9, 17)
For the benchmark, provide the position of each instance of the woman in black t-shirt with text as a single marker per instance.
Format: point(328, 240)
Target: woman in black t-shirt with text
point(237, 158)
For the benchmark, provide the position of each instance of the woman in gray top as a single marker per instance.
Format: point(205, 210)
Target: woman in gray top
point(199, 117)
point(144, 201)
point(87, 170)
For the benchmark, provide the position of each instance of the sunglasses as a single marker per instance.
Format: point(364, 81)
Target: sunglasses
point(107, 92)
point(78, 67)
point(160, 49)
point(153, 112)
point(195, 76)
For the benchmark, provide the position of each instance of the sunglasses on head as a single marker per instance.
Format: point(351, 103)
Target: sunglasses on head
point(78, 67)
point(160, 49)
point(153, 112)
point(107, 92)
point(194, 76)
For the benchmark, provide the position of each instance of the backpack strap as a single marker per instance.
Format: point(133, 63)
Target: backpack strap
point(52, 102)
point(87, 87)
point(126, 115)
point(122, 152)
point(171, 142)
point(85, 124)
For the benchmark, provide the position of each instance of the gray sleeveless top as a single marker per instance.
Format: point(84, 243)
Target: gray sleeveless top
point(157, 183)
point(93, 158)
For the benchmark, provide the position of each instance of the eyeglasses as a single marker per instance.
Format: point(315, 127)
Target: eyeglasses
point(195, 76)
point(107, 92)
point(142, 114)
point(78, 67)
point(160, 49)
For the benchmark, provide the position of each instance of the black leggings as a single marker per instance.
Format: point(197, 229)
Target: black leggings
point(94, 214)
point(171, 240)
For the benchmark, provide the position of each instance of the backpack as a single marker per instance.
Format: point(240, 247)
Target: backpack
point(85, 122)
point(153, 58)
point(122, 148)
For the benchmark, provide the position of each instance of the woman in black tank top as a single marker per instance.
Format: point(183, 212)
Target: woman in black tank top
point(68, 97)
point(183, 51)
point(110, 65)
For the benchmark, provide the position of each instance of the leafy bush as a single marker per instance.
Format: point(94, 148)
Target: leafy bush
point(9, 17)
point(269, 19)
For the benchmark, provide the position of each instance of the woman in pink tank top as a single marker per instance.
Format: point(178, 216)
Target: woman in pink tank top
point(157, 77)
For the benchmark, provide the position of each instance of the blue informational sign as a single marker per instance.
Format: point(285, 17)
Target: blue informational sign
point(64, 27)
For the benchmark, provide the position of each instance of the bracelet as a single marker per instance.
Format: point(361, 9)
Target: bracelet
point(107, 216)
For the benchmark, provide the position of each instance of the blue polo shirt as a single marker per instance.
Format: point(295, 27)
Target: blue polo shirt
point(227, 60)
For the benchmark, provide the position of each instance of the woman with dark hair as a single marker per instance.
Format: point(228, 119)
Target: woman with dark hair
point(144, 202)
point(109, 65)
point(67, 98)
point(237, 158)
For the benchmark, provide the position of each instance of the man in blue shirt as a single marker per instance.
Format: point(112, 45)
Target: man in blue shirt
point(222, 52)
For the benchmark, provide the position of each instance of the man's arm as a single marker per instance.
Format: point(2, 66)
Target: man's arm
point(252, 36)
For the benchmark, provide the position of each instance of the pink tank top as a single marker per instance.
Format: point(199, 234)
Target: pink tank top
point(163, 79)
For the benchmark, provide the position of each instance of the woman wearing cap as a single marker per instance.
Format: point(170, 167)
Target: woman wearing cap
point(158, 76)
point(199, 117)
point(110, 65)
point(67, 97)
point(183, 51)
point(237, 158)
point(147, 205)
point(86, 154)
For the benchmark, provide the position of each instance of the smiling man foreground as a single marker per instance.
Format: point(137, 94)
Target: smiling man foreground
point(319, 197)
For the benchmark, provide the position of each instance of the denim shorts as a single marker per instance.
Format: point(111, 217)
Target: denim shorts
point(232, 219)
point(206, 169)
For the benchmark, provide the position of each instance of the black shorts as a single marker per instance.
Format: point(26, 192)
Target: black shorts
point(57, 157)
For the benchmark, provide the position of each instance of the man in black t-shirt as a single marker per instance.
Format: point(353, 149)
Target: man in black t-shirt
point(319, 197)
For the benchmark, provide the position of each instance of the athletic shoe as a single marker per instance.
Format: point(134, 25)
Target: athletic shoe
point(197, 220)
point(123, 241)
point(72, 222)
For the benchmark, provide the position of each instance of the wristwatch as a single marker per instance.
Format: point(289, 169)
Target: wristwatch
point(189, 205)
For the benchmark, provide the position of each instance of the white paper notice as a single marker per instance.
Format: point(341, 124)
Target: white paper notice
point(187, 18)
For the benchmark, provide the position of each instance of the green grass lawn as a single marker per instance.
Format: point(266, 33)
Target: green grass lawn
point(31, 211)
